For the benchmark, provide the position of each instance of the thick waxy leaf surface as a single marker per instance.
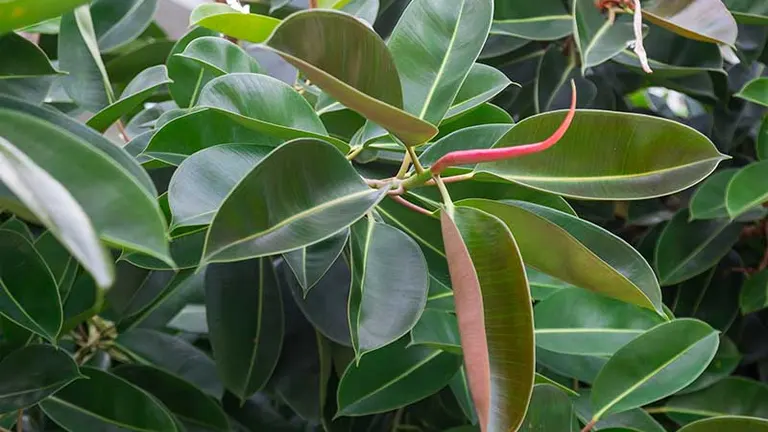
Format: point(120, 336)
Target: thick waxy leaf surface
point(754, 293)
point(597, 38)
point(256, 220)
point(389, 290)
point(552, 84)
point(246, 345)
point(53, 206)
point(222, 18)
point(542, 20)
point(593, 258)
point(118, 22)
point(33, 373)
point(434, 45)
point(730, 423)
point(747, 11)
point(493, 307)
point(393, 377)
point(748, 188)
point(755, 91)
point(87, 82)
point(482, 83)
point(709, 200)
point(28, 60)
point(205, 179)
point(550, 410)
point(220, 56)
point(28, 293)
point(438, 329)
point(15, 14)
point(173, 355)
point(137, 91)
point(122, 210)
point(639, 164)
point(119, 404)
point(686, 249)
point(350, 62)
point(727, 359)
point(189, 77)
point(575, 321)
point(732, 396)
point(311, 263)
point(704, 20)
point(628, 421)
point(184, 400)
point(660, 362)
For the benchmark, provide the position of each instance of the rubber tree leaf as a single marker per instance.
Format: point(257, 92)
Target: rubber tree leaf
point(747, 189)
point(543, 285)
point(748, 12)
point(337, 197)
point(631, 420)
point(185, 401)
point(16, 14)
point(704, 20)
point(640, 165)
point(686, 249)
point(83, 301)
point(550, 409)
point(135, 289)
point(494, 313)
point(186, 249)
point(120, 404)
point(482, 84)
point(119, 22)
point(594, 255)
point(265, 104)
point(136, 92)
point(552, 83)
point(762, 140)
point(708, 202)
point(188, 76)
point(203, 181)
point(123, 212)
point(25, 59)
point(311, 263)
point(727, 359)
point(434, 45)
point(366, 10)
point(245, 322)
point(389, 290)
point(87, 82)
point(393, 377)
point(732, 396)
point(28, 293)
point(350, 62)
point(657, 364)
point(33, 373)
point(543, 20)
point(754, 293)
point(54, 207)
point(437, 329)
point(755, 91)
point(745, 424)
point(596, 37)
point(219, 56)
point(173, 355)
point(576, 321)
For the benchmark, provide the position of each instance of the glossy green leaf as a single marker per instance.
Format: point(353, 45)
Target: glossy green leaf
point(366, 10)
point(389, 291)
point(28, 293)
point(641, 163)
point(15, 14)
point(83, 301)
point(494, 314)
point(576, 321)
point(203, 181)
point(755, 91)
point(54, 207)
point(741, 424)
point(660, 362)
point(122, 210)
point(393, 377)
point(704, 20)
point(369, 85)
point(220, 56)
point(186, 250)
point(633, 420)
point(542, 20)
point(137, 91)
point(550, 410)
point(438, 329)
point(596, 37)
point(762, 140)
point(33, 373)
point(754, 293)
point(686, 249)
point(118, 22)
point(434, 45)
point(593, 258)
point(482, 84)
point(460, 390)
point(552, 84)
point(735, 396)
point(185, 401)
point(747, 189)
point(337, 197)
point(174, 355)
point(280, 111)
point(747, 11)
point(311, 263)
point(708, 202)
point(25, 58)
point(543, 285)
point(727, 359)
point(135, 289)
point(87, 82)
point(119, 404)
point(188, 76)
point(245, 322)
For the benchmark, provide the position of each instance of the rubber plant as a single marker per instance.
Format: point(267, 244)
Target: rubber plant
point(384, 215)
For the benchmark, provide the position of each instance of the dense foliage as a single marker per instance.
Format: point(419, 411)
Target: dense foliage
point(384, 215)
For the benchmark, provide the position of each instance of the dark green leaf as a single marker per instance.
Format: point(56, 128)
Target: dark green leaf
point(754, 293)
point(541, 20)
point(15, 14)
point(438, 329)
point(748, 11)
point(597, 38)
point(762, 140)
point(747, 189)
point(730, 423)
point(550, 410)
point(704, 20)
point(311, 263)
point(633, 420)
point(24, 58)
point(219, 56)
point(118, 22)
point(732, 396)
point(188, 76)
point(727, 358)
point(482, 84)
point(755, 91)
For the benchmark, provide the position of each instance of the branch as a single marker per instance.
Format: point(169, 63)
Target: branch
point(405, 203)
point(589, 426)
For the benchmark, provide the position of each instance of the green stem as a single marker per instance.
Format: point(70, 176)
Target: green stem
point(446, 196)
point(354, 152)
point(418, 180)
point(415, 160)
point(196, 92)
